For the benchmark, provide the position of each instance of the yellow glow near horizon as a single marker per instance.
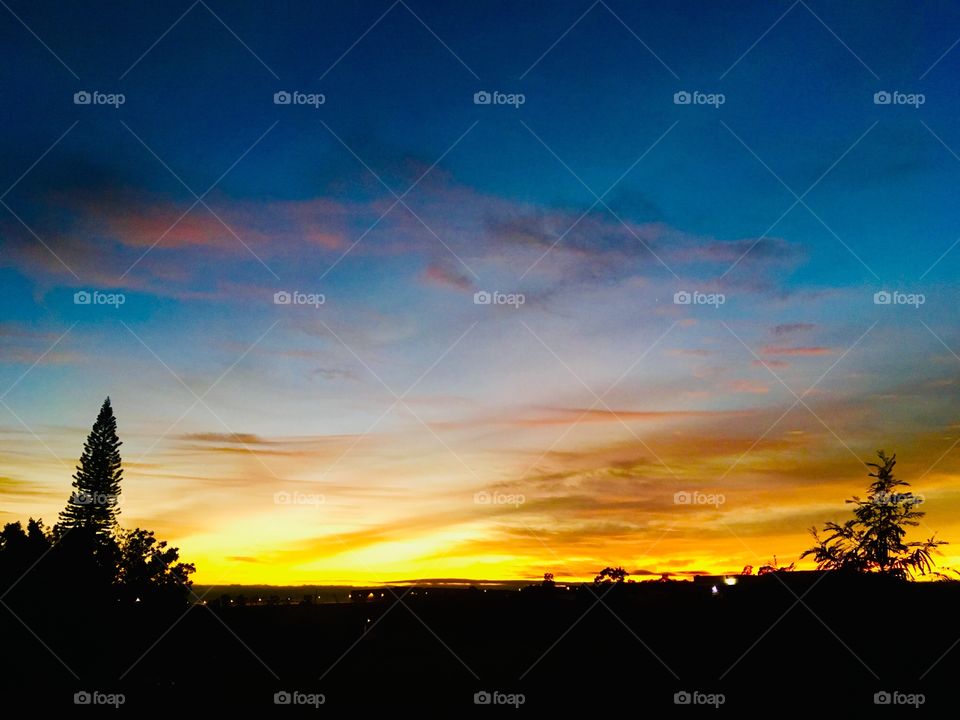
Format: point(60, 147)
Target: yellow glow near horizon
point(356, 527)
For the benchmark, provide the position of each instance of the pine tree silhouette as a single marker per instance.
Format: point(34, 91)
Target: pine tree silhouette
point(874, 539)
point(93, 504)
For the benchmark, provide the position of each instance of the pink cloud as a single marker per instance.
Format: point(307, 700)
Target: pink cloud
point(796, 351)
point(559, 244)
point(771, 363)
point(437, 274)
point(749, 387)
point(790, 328)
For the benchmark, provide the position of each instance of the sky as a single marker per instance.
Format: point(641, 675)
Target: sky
point(652, 305)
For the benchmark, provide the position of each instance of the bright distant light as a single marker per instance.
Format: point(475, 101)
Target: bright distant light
point(713, 590)
point(730, 581)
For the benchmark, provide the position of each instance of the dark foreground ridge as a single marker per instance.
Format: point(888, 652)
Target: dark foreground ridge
point(824, 641)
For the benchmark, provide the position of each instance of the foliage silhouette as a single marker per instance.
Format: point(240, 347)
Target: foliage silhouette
point(873, 540)
point(772, 566)
point(609, 575)
point(149, 568)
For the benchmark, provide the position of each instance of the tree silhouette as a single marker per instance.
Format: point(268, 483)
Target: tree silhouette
point(610, 574)
point(873, 540)
point(93, 504)
point(17, 549)
point(88, 552)
point(148, 568)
